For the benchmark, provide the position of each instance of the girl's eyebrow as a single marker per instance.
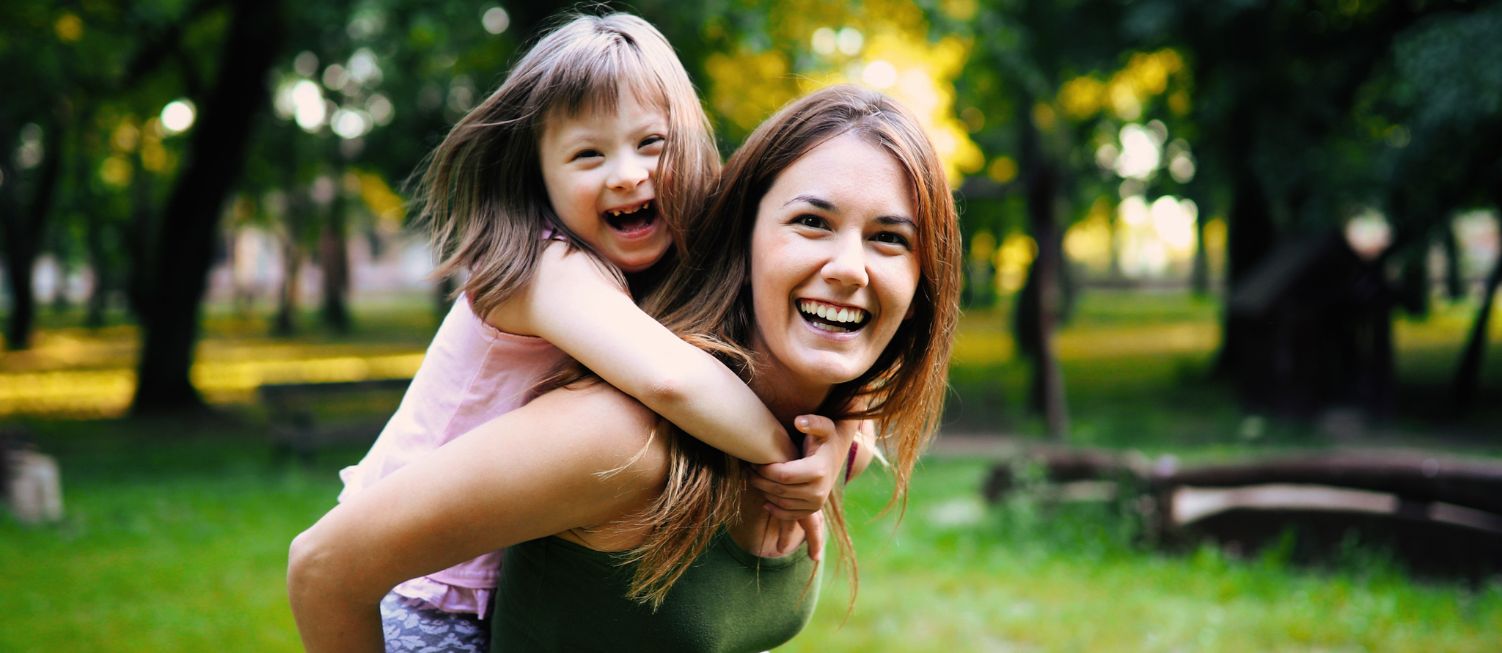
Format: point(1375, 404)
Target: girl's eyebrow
point(826, 205)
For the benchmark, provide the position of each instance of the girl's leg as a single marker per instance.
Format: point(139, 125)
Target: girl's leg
point(413, 625)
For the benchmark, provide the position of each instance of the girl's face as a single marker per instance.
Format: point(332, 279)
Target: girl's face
point(834, 263)
point(598, 168)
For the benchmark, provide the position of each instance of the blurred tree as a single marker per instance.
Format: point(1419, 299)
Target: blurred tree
point(1276, 86)
point(1438, 152)
point(215, 158)
point(1025, 54)
point(34, 55)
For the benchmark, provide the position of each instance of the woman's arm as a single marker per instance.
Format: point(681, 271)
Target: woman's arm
point(533, 472)
point(575, 305)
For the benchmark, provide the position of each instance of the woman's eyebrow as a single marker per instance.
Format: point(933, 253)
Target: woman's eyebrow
point(821, 203)
point(898, 220)
point(818, 202)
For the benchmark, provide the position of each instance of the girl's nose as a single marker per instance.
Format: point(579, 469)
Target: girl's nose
point(847, 263)
point(627, 174)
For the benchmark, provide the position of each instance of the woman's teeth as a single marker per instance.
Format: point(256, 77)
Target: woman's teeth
point(832, 316)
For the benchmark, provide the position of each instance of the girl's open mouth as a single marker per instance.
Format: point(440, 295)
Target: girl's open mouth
point(633, 219)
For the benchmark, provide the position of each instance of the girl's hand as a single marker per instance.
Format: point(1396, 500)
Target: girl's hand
point(799, 488)
point(796, 491)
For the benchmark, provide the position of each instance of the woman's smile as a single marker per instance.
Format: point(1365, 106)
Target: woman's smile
point(834, 267)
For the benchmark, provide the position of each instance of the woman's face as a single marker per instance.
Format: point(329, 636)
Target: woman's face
point(834, 263)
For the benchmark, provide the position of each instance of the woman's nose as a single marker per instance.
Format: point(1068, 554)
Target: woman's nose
point(847, 262)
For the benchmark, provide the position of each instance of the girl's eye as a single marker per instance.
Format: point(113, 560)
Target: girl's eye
point(893, 238)
point(811, 221)
point(585, 154)
point(653, 140)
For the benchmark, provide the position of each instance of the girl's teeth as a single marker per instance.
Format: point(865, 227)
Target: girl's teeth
point(616, 213)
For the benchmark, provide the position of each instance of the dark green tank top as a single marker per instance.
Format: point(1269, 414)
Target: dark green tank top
point(555, 595)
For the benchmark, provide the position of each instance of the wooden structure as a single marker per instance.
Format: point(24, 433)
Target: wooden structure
point(1437, 515)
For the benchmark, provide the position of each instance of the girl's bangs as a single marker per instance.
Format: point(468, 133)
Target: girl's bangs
point(594, 85)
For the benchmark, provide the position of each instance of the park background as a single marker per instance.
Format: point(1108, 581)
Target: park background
point(1195, 232)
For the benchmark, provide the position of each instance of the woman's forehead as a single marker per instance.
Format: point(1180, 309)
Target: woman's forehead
point(845, 173)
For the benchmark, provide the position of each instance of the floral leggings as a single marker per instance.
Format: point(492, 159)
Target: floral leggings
point(413, 625)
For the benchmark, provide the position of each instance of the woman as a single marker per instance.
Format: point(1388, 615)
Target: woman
point(826, 272)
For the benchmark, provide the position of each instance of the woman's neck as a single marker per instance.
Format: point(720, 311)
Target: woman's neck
point(784, 395)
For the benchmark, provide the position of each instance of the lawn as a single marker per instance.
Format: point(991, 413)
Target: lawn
point(177, 530)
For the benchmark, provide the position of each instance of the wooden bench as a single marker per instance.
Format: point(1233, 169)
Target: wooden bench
point(1437, 514)
point(309, 417)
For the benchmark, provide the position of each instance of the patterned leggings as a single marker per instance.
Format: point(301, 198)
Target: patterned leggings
point(413, 625)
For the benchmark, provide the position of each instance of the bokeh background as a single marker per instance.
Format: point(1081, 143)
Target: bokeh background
point(1196, 233)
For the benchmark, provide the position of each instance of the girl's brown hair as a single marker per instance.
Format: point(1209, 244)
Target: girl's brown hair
point(707, 299)
point(482, 193)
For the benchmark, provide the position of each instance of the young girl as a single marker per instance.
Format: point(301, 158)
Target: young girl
point(564, 186)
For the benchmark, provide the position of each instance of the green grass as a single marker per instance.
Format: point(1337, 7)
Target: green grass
point(183, 547)
point(177, 531)
point(958, 575)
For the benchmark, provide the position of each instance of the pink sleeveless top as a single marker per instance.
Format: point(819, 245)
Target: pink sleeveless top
point(472, 373)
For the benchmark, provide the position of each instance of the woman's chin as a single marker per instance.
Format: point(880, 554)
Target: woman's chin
point(827, 370)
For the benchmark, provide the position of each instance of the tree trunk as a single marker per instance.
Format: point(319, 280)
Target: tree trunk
point(98, 301)
point(84, 201)
point(1037, 314)
point(1468, 373)
point(215, 158)
point(1249, 240)
point(333, 256)
point(1454, 279)
point(1199, 272)
point(292, 257)
point(1414, 279)
point(139, 239)
point(22, 225)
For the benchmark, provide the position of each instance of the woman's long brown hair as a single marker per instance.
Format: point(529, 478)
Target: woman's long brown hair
point(706, 299)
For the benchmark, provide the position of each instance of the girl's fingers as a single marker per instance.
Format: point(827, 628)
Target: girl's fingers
point(813, 529)
point(785, 535)
point(802, 470)
point(771, 487)
point(817, 426)
point(792, 503)
point(784, 514)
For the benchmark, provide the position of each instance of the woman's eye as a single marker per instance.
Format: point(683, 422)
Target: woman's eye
point(893, 238)
point(811, 221)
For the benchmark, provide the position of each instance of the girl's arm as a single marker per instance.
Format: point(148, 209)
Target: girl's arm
point(533, 472)
point(575, 305)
